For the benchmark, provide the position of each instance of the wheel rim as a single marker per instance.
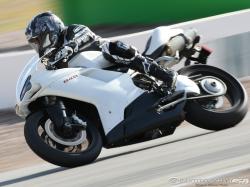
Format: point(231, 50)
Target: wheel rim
point(214, 119)
point(214, 86)
point(217, 104)
point(80, 143)
point(230, 99)
point(78, 139)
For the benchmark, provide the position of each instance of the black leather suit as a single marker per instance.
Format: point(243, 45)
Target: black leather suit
point(80, 38)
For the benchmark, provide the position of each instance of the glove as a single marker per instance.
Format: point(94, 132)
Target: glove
point(62, 54)
point(73, 45)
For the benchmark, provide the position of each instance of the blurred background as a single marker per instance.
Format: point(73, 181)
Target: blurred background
point(106, 18)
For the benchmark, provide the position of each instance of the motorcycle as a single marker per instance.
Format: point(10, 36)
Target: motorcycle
point(71, 113)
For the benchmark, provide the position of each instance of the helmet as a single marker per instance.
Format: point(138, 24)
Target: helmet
point(43, 32)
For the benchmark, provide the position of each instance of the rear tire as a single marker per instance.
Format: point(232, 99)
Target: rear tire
point(56, 156)
point(211, 120)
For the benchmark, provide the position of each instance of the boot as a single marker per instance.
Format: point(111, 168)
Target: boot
point(150, 67)
point(168, 76)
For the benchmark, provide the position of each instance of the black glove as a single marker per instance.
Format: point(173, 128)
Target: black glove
point(63, 54)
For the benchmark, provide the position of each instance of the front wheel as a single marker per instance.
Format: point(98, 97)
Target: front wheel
point(215, 113)
point(71, 150)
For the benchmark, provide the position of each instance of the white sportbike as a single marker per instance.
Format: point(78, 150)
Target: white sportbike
point(71, 113)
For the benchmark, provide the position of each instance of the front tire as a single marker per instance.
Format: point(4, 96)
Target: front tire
point(56, 154)
point(205, 118)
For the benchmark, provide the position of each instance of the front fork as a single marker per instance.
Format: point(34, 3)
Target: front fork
point(63, 120)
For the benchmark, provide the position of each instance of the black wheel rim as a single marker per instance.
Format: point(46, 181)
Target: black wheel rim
point(233, 90)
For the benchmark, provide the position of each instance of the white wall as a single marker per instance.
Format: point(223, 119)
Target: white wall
point(212, 28)
point(11, 66)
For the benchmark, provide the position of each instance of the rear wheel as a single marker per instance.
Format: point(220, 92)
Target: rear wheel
point(72, 150)
point(215, 113)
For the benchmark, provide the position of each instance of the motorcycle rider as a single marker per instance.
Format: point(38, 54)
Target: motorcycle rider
point(46, 31)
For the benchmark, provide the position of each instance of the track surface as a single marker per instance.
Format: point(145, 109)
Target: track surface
point(175, 160)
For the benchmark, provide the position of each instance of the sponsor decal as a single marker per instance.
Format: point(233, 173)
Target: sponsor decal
point(70, 78)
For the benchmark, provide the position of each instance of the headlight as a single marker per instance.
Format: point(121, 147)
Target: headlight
point(26, 87)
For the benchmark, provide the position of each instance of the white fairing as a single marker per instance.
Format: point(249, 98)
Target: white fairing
point(184, 83)
point(111, 92)
point(90, 59)
point(160, 36)
point(30, 67)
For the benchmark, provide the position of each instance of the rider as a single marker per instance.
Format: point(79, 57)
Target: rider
point(46, 31)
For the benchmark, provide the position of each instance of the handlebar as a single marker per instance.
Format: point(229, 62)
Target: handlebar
point(181, 41)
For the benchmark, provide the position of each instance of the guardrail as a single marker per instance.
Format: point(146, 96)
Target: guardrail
point(211, 29)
